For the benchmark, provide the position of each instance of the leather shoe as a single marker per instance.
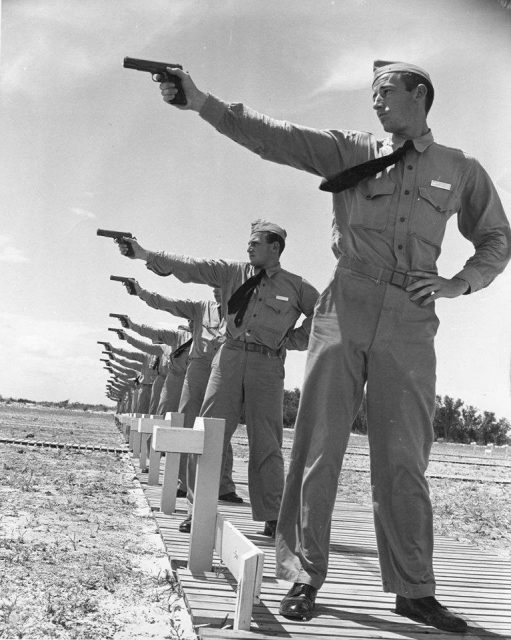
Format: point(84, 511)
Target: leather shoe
point(186, 525)
point(299, 602)
point(430, 611)
point(232, 496)
point(269, 528)
point(180, 493)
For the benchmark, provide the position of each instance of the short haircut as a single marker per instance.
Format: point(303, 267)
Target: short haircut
point(274, 237)
point(412, 80)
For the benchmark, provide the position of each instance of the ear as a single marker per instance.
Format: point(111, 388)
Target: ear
point(421, 92)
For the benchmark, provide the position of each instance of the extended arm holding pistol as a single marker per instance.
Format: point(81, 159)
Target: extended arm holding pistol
point(118, 236)
point(120, 333)
point(129, 282)
point(160, 69)
point(123, 319)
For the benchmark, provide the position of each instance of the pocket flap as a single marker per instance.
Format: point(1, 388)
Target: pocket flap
point(440, 199)
point(371, 188)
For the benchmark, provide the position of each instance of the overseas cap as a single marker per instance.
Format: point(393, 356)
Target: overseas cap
point(263, 225)
point(380, 67)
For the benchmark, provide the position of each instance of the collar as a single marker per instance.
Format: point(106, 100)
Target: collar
point(421, 143)
point(271, 271)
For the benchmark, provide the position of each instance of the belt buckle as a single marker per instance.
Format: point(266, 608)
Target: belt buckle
point(398, 281)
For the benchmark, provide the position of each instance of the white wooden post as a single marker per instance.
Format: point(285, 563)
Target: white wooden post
point(172, 419)
point(174, 441)
point(207, 483)
point(245, 561)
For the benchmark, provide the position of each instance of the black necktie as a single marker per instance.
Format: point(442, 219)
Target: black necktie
point(239, 300)
point(352, 176)
point(181, 349)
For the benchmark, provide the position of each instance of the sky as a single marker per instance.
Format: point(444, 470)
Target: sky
point(88, 144)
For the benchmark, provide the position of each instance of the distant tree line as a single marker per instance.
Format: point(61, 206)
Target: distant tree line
point(454, 422)
point(64, 404)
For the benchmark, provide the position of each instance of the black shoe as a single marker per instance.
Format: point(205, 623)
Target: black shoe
point(430, 611)
point(186, 525)
point(269, 528)
point(299, 602)
point(231, 497)
point(181, 493)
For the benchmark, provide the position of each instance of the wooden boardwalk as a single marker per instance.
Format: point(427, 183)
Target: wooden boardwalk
point(351, 605)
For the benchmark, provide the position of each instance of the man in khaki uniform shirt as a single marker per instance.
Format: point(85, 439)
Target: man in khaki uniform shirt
point(375, 323)
point(248, 370)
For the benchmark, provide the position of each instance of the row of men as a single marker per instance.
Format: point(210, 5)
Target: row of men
point(229, 360)
point(374, 324)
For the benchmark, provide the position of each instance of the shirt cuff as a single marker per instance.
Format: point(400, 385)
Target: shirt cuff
point(473, 277)
point(213, 110)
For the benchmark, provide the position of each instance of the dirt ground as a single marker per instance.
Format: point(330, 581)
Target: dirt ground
point(80, 555)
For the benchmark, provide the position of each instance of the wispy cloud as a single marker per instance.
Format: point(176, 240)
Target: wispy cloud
point(10, 253)
point(87, 32)
point(83, 213)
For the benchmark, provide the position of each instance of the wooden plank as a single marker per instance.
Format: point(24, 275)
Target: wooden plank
point(207, 482)
point(351, 605)
point(178, 439)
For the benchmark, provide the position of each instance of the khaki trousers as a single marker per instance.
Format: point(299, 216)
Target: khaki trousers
point(364, 332)
point(192, 397)
point(155, 394)
point(171, 392)
point(255, 382)
point(143, 399)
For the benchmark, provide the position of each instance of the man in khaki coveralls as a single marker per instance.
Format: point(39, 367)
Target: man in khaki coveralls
point(375, 323)
point(248, 370)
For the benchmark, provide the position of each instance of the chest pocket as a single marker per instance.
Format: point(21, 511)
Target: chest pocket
point(372, 204)
point(433, 208)
point(280, 306)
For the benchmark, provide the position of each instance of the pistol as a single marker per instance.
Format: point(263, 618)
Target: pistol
point(123, 319)
point(119, 332)
point(105, 344)
point(160, 68)
point(118, 236)
point(127, 281)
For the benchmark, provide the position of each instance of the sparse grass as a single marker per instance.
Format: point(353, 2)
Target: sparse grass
point(80, 557)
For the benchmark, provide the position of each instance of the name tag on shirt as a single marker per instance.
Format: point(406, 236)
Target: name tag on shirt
point(282, 298)
point(441, 185)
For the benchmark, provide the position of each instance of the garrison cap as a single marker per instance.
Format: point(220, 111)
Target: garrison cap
point(261, 225)
point(381, 67)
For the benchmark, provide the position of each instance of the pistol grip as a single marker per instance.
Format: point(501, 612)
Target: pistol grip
point(180, 97)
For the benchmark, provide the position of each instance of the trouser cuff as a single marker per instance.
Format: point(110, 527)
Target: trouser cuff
point(410, 590)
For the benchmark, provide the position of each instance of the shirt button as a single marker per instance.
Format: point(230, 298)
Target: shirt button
point(260, 299)
point(407, 192)
point(410, 167)
point(399, 246)
point(402, 219)
point(254, 315)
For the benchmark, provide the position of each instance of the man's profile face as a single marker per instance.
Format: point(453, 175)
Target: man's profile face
point(259, 251)
point(395, 107)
